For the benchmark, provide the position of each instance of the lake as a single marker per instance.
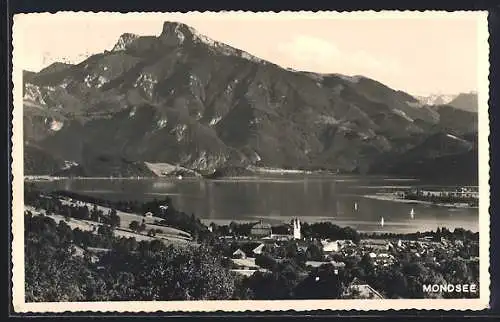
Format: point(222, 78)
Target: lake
point(280, 198)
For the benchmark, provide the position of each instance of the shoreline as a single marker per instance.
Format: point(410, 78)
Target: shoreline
point(370, 232)
point(362, 227)
point(35, 178)
point(391, 197)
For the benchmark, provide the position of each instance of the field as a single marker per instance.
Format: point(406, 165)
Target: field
point(168, 235)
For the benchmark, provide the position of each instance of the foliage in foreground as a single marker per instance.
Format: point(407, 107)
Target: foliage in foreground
point(129, 271)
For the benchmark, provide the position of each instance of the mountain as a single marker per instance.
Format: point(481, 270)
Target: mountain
point(186, 100)
point(462, 101)
point(466, 102)
point(436, 99)
point(441, 157)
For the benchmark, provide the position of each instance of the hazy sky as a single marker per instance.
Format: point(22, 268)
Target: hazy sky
point(419, 53)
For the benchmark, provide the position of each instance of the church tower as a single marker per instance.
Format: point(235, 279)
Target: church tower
point(296, 229)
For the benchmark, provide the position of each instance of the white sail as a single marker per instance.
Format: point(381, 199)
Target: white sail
point(412, 213)
point(382, 222)
point(356, 206)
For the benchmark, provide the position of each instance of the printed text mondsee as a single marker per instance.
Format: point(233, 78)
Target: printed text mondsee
point(450, 288)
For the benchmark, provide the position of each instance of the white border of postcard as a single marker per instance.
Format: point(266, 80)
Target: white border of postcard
point(482, 302)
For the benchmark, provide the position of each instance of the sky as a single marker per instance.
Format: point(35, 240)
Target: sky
point(420, 53)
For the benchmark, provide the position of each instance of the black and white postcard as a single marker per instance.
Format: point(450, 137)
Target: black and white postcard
point(241, 161)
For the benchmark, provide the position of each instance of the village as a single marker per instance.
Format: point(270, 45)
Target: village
point(254, 252)
point(261, 247)
point(460, 196)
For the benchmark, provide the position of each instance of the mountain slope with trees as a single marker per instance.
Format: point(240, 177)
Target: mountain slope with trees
point(184, 99)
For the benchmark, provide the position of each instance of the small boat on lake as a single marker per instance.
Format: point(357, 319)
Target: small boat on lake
point(412, 213)
point(355, 206)
point(382, 222)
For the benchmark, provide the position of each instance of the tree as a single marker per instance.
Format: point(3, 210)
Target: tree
point(65, 233)
point(105, 231)
point(265, 261)
point(182, 276)
point(291, 250)
point(51, 272)
point(134, 225)
point(366, 265)
point(322, 283)
point(314, 253)
point(94, 214)
point(114, 219)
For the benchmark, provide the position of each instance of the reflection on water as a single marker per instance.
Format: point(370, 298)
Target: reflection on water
point(313, 198)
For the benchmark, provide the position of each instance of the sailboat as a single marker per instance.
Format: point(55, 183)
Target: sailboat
point(356, 206)
point(412, 213)
point(382, 222)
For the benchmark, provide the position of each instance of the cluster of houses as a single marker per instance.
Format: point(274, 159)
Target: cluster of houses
point(459, 193)
point(381, 253)
point(359, 290)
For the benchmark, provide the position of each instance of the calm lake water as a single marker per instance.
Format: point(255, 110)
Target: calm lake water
point(281, 198)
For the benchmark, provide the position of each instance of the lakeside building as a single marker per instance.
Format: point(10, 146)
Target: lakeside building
point(265, 231)
point(459, 193)
point(261, 229)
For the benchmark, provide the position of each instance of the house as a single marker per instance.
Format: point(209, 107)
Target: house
point(375, 244)
point(280, 237)
point(244, 272)
point(335, 246)
point(239, 254)
point(98, 250)
point(331, 247)
point(302, 246)
point(91, 253)
point(248, 272)
point(259, 249)
point(261, 230)
point(360, 290)
point(245, 263)
point(316, 264)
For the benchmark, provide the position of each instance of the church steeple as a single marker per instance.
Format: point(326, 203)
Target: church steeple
point(296, 229)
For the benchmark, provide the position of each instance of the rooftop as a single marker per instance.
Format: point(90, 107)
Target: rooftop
point(245, 262)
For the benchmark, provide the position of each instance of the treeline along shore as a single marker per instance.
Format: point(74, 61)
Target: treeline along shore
point(171, 255)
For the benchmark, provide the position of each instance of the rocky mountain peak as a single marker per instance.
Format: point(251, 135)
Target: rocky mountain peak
point(176, 33)
point(124, 41)
point(184, 98)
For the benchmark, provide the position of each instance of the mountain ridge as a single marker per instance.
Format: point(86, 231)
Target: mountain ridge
point(463, 101)
point(184, 99)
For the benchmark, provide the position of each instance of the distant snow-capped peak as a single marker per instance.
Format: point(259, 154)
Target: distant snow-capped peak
point(436, 99)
